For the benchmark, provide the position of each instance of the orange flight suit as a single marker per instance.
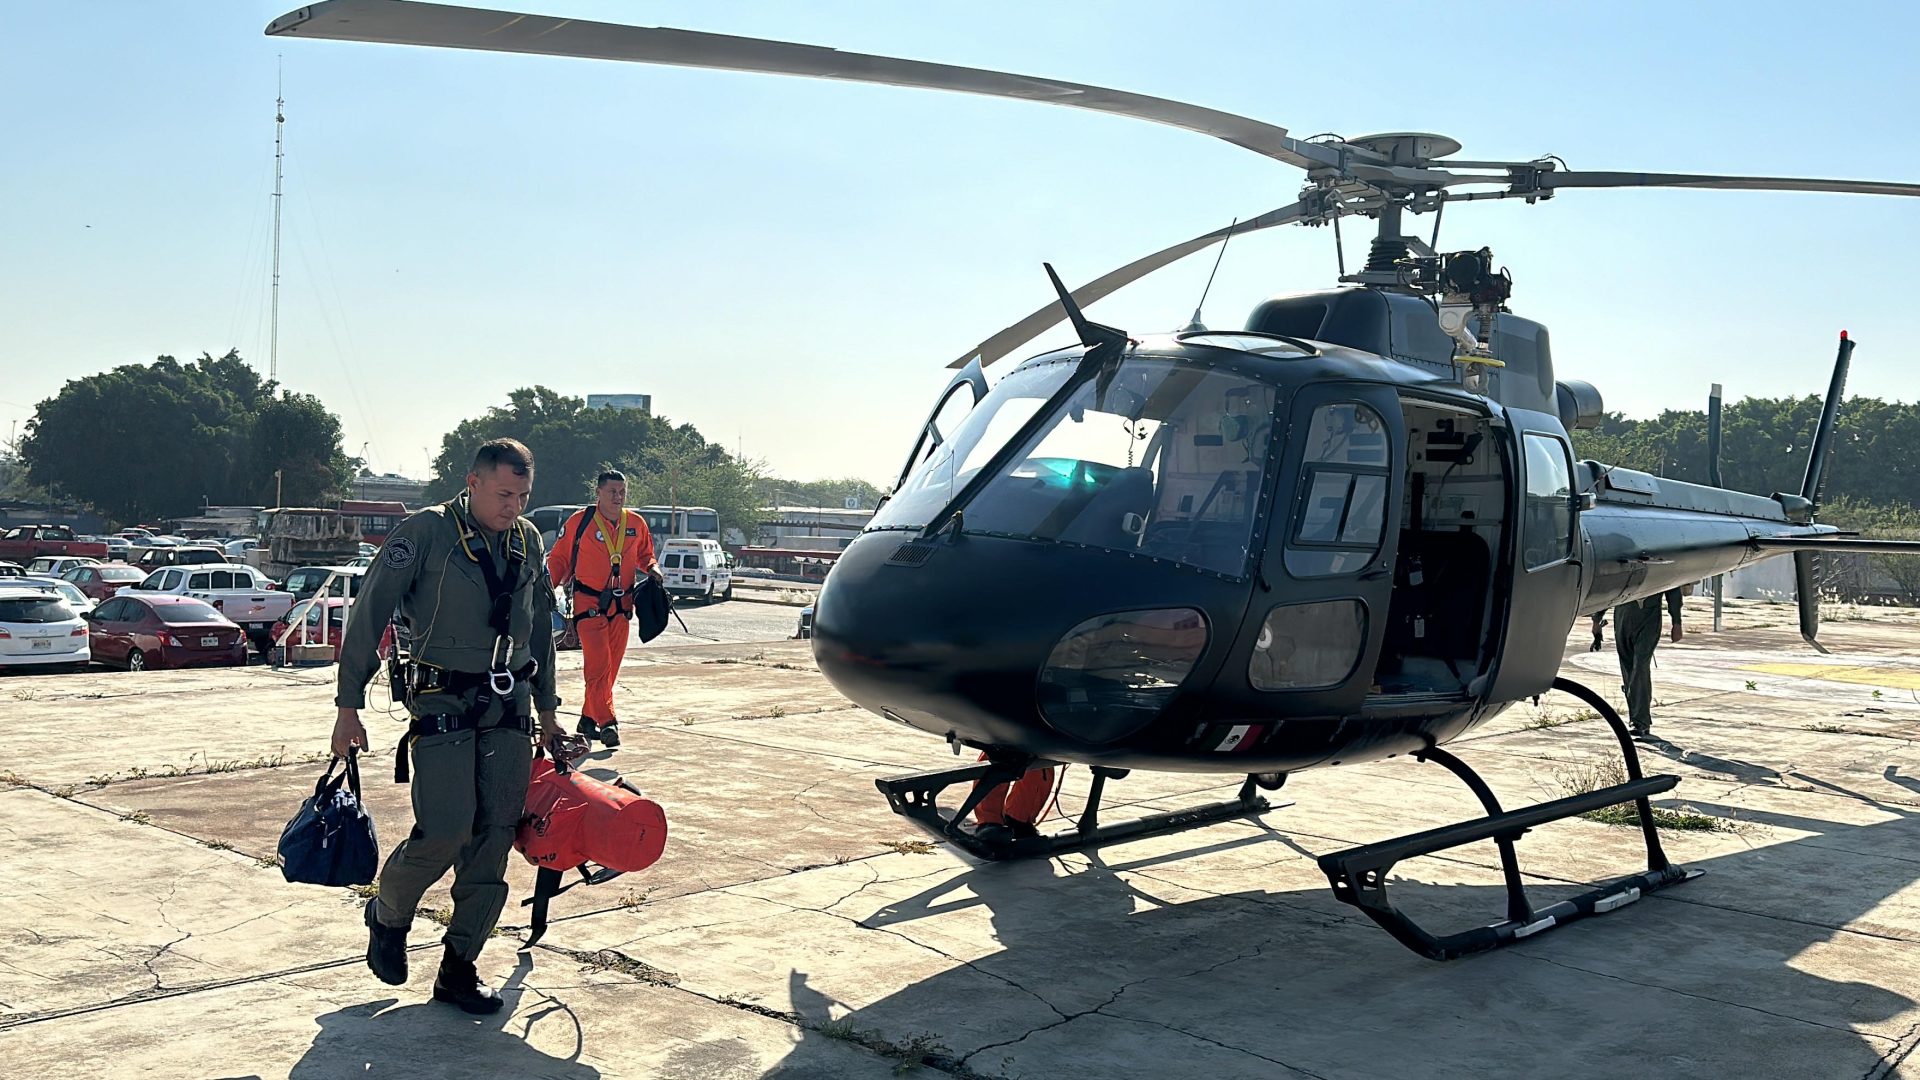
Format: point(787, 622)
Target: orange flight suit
point(603, 639)
point(1019, 808)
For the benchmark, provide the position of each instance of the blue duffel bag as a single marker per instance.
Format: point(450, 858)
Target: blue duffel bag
point(331, 840)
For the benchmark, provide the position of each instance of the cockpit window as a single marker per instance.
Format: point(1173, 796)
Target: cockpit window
point(948, 467)
point(1344, 511)
point(1160, 459)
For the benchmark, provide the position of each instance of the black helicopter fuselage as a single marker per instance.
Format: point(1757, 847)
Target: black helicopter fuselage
point(1245, 552)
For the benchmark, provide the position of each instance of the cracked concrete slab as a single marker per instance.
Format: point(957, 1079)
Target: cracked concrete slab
point(565, 1021)
point(99, 910)
point(799, 947)
point(735, 814)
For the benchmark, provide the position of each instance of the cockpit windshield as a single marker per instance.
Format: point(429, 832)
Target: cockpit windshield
point(1159, 458)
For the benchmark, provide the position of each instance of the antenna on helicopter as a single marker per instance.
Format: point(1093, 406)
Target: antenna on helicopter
point(1196, 325)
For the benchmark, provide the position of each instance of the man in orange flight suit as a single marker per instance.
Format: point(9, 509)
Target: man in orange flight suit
point(597, 555)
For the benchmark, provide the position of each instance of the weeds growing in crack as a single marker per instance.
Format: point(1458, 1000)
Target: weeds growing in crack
point(267, 862)
point(1545, 718)
point(633, 898)
point(365, 892)
point(615, 960)
point(137, 817)
point(218, 845)
point(11, 779)
point(1585, 778)
point(908, 847)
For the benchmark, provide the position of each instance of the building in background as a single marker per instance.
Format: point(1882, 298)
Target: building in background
point(388, 487)
point(642, 402)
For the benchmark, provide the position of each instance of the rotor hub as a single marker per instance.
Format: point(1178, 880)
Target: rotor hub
point(1408, 147)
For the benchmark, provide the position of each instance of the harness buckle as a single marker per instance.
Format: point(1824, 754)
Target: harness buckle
point(501, 682)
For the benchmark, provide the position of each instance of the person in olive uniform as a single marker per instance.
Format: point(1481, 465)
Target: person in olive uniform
point(1636, 633)
point(470, 583)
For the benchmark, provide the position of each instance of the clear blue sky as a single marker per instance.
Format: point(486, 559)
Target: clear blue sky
point(788, 264)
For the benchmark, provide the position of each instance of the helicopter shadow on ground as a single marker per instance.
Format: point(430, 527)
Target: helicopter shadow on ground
point(428, 1038)
point(1105, 947)
point(1746, 772)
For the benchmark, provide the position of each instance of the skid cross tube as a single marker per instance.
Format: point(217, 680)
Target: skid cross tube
point(916, 797)
point(1359, 875)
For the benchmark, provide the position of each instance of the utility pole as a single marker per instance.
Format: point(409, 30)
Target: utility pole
point(276, 488)
point(1713, 477)
point(279, 122)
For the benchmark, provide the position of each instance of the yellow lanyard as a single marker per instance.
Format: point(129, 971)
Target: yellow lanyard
point(613, 536)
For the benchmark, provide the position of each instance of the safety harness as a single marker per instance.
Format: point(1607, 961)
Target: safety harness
point(422, 678)
point(612, 600)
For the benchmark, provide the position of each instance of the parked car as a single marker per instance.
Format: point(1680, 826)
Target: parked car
point(100, 581)
point(187, 555)
point(29, 542)
point(237, 549)
point(119, 549)
point(325, 619)
point(806, 623)
point(239, 592)
point(12, 569)
point(56, 565)
point(141, 631)
point(40, 632)
point(80, 602)
point(307, 580)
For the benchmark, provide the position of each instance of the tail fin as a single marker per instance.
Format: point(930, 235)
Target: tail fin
point(1806, 587)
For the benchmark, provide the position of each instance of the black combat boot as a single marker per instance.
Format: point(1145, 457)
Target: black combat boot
point(587, 727)
point(459, 984)
point(610, 734)
point(386, 948)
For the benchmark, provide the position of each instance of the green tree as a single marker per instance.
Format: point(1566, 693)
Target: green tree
point(148, 442)
point(572, 444)
point(295, 434)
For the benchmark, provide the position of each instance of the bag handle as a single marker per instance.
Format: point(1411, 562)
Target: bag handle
point(328, 783)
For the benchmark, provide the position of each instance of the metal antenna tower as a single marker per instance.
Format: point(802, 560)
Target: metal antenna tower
point(279, 122)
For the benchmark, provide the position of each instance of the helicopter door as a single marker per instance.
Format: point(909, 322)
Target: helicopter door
point(1545, 592)
point(1314, 637)
point(946, 416)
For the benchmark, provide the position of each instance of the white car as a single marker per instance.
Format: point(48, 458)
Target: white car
point(241, 593)
point(39, 631)
point(237, 549)
point(79, 601)
point(55, 565)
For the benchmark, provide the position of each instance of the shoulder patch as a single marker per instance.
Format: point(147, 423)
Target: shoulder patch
point(398, 553)
point(633, 532)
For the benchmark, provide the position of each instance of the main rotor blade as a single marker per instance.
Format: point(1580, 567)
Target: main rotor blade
point(394, 22)
point(1735, 183)
point(1004, 342)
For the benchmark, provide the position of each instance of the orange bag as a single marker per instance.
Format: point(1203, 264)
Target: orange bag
point(573, 819)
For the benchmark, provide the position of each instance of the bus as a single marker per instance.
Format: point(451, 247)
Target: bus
point(664, 522)
point(377, 519)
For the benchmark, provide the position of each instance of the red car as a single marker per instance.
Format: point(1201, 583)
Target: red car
point(102, 581)
point(332, 631)
point(156, 630)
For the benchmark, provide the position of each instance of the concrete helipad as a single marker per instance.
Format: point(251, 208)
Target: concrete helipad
point(797, 929)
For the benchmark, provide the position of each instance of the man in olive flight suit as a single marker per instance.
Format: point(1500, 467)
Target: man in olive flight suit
point(1636, 633)
point(470, 583)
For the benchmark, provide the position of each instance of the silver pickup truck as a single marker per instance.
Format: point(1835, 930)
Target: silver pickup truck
point(243, 594)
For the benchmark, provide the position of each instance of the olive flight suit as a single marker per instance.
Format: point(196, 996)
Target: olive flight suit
point(469, 786)
point(1636, 633)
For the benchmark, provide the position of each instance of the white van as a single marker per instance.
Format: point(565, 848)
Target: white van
point(697, 568)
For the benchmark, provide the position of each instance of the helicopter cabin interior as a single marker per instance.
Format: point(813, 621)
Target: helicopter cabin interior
point(1451, 519)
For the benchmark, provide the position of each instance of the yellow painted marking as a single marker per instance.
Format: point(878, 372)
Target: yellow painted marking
point(1896, 678)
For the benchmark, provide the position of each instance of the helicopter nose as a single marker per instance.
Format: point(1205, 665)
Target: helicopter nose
point(1005, 642)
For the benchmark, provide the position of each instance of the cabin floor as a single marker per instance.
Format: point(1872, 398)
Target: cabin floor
point(796, 929)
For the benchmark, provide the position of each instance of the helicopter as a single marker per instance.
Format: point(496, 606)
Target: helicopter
point(1352, 530)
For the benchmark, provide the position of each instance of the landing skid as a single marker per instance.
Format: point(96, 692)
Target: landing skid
point(1359, 875)
point(916, 797)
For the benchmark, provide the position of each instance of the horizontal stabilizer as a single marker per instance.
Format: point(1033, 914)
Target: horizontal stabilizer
point(1842, 544)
